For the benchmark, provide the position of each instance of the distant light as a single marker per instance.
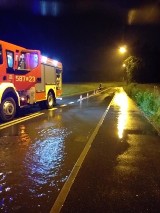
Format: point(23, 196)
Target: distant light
point(55, 63)
point(122, 49)
point(44, 59)
point(49, 8)
point(124, 65)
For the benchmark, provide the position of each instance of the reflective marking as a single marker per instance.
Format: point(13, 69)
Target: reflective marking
point(59, 98)
point(94, 93)
point(71, 102)
point(81, 99)
point(19, 120)
point(53, 109)
point(68, 184)
point(63, 105)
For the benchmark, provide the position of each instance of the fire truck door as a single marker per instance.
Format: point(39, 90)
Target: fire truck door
point(50, 75)
point(40, 85)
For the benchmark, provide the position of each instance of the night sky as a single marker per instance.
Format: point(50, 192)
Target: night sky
point(85, 34)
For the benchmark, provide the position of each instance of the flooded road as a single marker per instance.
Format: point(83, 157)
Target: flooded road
point(38, 154)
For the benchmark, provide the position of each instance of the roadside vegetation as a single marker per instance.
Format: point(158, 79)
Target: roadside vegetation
point(147, 97)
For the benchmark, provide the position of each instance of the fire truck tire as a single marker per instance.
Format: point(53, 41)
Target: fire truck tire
point(50, 102)
point(7, 109)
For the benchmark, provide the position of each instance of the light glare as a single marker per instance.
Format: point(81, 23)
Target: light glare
point(55, 63)
point(122, 50)
point(44, 59)
point(120, 99)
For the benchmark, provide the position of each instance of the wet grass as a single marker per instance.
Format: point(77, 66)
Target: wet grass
point(147, 97)
point(77, 88)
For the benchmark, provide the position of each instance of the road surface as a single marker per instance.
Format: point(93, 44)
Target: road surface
point(39, 149)
point(91, 153)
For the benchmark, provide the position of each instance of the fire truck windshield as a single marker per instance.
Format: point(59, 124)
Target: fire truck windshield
point(1, 61)
point(28, 61)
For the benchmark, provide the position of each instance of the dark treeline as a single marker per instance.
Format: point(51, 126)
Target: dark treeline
point(145, 44)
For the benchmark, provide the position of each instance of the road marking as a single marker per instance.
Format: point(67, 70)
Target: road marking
point(71, 102)
point(69, 182)
point(53, 109)
point(94, 94)
point(19, 120)
point(59, 98)
point(63, 105)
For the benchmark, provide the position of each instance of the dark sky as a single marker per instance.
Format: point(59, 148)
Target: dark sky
point(83, 34)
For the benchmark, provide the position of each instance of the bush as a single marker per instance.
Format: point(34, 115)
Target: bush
point(147, 100)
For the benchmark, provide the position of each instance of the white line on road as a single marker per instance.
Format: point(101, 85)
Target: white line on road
point(59, 98)
point(63, 105)
point(53, 109)
point(68, 184)
point(19, 120)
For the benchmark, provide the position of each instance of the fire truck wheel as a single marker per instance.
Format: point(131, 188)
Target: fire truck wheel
point(8, 109)
point(50, 102)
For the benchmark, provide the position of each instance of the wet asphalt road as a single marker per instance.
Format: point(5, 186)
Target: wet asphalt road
point(39, 149)
point(121, 171)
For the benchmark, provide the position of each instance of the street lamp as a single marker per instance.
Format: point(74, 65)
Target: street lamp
point(122, 49)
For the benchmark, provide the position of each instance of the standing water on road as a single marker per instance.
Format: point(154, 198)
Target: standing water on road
point(30, 163)
point(37, 156)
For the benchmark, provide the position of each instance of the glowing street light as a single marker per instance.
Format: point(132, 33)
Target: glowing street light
point(123, 49)
point(123, 65)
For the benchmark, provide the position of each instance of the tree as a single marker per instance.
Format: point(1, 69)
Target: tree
point(132, 67)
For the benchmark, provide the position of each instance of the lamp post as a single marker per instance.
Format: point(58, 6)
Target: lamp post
point(122, 51)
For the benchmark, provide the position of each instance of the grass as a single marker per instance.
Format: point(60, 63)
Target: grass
point(77, 88)
point(147, 97)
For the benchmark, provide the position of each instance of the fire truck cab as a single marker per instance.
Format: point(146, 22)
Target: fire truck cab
point(26, 78)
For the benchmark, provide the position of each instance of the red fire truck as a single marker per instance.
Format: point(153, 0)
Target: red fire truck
point(27, 77)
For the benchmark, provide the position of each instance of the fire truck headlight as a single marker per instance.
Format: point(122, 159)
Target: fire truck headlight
point(23, 100)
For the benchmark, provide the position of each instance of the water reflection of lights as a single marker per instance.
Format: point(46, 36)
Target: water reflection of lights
point(46, 155)
point(121, 100)
point(23, 135)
